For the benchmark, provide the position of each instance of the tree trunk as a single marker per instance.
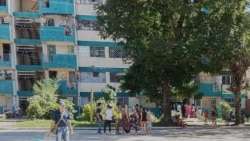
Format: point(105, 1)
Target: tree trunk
point(166, 110)
point(237, 109)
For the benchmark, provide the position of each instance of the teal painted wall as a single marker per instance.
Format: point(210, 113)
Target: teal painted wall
point(57, 7)
point(97, 43)
point(27, 41)
point(207, 90)
point(101, 94)
point(26, 14)
point(25, 93)
point(5, 31)
point(64, 90)
point(29, 67)
point(55, 33)
point(6, 64)
point(61, 61)
point(99, 69)
point(4, 8)
point(86, 17)
point(6, 87)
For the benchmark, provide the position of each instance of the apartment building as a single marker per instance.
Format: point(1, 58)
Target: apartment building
point(60, 38)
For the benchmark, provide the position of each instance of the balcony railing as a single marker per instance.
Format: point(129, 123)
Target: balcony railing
point(60, 61)
point(3, 6)
point(67, 88)
point(5, 61)
point(92, 2)
point(5, 28)
point(56, 7)
point(26, 14)
point(6, 86)
point(57, 33)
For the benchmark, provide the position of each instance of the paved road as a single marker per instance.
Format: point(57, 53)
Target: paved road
point(188, 134)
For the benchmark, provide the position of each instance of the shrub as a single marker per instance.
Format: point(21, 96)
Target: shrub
point(34, 111)
point(225, 109)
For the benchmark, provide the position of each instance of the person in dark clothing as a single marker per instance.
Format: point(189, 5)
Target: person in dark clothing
point(144, 121)
point(99, 118)
point(64, 126)
point(183, 111)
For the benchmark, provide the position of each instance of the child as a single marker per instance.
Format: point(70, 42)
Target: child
point(149, 122)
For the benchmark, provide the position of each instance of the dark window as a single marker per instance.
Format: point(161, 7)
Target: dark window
point(97, 52)
point(2, 2)
point(95, 74)
point(123, 100)
point(226, 79)
point(114, 77)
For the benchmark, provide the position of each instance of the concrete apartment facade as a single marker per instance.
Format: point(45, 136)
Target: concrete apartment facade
point(60, 38)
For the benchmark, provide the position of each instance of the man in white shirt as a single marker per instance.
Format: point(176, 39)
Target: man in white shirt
point(108, 119)
point(178, 107)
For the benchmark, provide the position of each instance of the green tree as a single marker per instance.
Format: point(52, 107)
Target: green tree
point(240, 64)
point(45, 95)
point(109, 94)
point(169, 42)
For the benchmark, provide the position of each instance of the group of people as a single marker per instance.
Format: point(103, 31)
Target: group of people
point(212, 114)
point(138, 117)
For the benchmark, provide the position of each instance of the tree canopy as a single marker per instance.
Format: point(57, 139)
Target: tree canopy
point(169, 42)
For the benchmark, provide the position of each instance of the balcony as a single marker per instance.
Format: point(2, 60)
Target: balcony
point(60, 61)
point(68, 89)
point(3, 8)
point(57, 33)
point(65, 7)
point(25, 93)
point(26, 14)
point(6, 86)
point(29, 67)
point(27, 41)
point(5, 28)
point(6, 61)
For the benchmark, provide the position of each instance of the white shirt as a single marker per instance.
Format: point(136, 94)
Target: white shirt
point(109, 114)
point(178, 107)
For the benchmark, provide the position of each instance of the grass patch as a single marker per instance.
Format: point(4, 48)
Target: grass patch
point(33, 124)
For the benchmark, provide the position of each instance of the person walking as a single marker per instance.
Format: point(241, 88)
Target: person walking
point(62, 118)
point(118, 116)
point(108, 119)
point(99, 118)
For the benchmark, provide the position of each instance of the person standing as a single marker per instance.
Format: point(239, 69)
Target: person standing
point(62, 117)
point(149, 122)
point(144, 121)
point(117, 114)
point(205, 116)
point(99, 118)
point(108, 119)
point(125, 119)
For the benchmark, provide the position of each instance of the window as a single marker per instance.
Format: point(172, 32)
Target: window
point(116, 53)
point(97, 52)
point(94, 2)
point(71, 49)
point(115, 77)
point(213, 101)
point(45, 3)
point(2, 2)
point(88, 25)
point(226, 79)
point(92, 77)
point(123, 100)
point(50, 22)
point(230, 101)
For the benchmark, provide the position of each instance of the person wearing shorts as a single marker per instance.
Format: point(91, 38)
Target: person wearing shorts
point(117, 115)
point(149, 122)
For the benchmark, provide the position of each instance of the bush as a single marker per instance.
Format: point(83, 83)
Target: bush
point(85, 116)
point(35, 111)
point(225, 109)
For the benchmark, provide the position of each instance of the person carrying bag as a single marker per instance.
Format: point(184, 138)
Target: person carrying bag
point(61, 124)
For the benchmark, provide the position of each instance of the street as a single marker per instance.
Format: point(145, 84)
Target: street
point(171, 134)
